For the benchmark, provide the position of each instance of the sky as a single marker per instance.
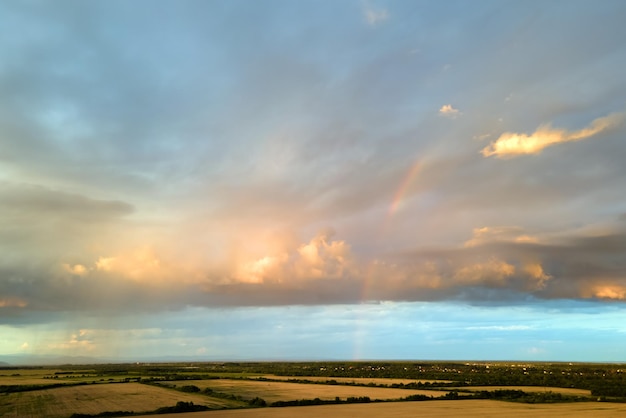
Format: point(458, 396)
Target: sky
point(293, 180)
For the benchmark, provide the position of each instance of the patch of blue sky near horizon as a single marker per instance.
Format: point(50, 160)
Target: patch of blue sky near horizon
point(558, 331)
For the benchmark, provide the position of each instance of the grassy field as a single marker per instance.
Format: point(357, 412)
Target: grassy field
point(36, 376)
point(93, 399)
point(433, 409)
point(284, 391)
point(49, 376)
point(357, 380)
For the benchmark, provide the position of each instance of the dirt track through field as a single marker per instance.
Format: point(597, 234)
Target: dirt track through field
point(427, 409)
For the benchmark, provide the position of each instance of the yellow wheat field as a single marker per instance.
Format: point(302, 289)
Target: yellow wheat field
point(359, 380)
point(428, 409)
point(284, 391)
point(93, 399)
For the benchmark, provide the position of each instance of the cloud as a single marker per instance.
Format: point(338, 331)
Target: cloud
point(80, 342)
point(501, 327)
point(498, 267)
point(611, 291)
point(533, 351)
point(133, 185)
point(76, 269)
point(141, 263)
point(36, 201)
point(511, 144)
point(489, 234)
point(536, 272)
point(12, 302)
point(449, 111)
point(265, 268)
point(494, 272)
point(325, 270)
point(374, 16)
point(320, 259)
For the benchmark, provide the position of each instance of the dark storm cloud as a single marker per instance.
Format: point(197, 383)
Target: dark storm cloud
point(37, 203)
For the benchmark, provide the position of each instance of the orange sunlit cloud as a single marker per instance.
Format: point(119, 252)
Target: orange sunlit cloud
point(139, 264)
point(12, 303)
point(511, 144)
point(493, 272)
point(615, 292)
point(536, 273)
point(489, 234)
point(320, 258)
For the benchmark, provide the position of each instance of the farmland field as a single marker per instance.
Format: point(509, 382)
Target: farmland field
point(433, 409)
point(357, 380)
point(334, 389)
point(283, 391)
point(42, 376)
point(56, 376)
point(94, 399)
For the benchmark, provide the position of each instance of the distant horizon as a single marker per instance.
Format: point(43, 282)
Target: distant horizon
point(192, 360)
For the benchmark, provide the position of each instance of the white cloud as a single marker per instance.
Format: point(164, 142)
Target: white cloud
point(449, 111)
point(374, 16)
point(511, 144)
point(500, 327)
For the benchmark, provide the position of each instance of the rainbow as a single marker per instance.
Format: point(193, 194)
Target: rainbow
point(359, 337)
point(404, 187)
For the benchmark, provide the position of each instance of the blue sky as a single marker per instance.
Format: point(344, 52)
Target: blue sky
point(293, 180)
